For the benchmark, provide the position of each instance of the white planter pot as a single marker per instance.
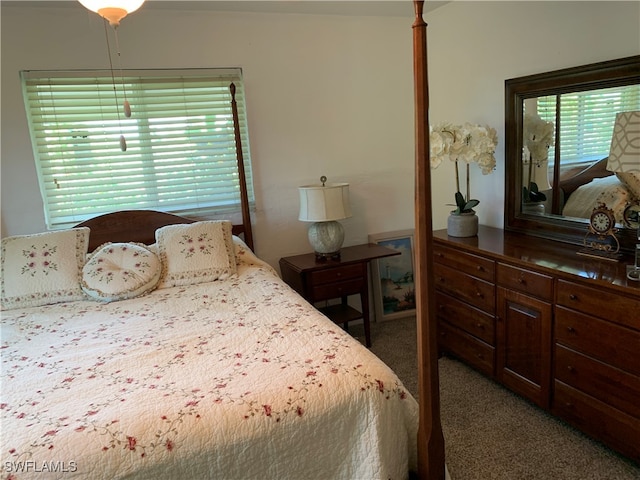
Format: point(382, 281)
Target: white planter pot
point(463, 225)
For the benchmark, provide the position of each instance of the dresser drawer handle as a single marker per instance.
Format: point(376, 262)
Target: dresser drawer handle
point(571, 368)
point(573, 296)
point(480, 326)
point(338, 274)
point(571, 329)
point(568, 405)
point(521, 280)
point(480, 268)
point(479, 295)
point(480, 356)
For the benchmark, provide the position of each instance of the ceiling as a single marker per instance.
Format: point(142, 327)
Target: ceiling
point(395, 8)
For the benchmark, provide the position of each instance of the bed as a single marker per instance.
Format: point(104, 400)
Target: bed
point(594, 185)
point(222, 374)
point(237, 377)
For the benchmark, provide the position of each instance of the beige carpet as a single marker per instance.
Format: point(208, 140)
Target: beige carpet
point(491, 433)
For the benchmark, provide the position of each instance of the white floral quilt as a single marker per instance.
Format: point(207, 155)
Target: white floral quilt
point(232, 379)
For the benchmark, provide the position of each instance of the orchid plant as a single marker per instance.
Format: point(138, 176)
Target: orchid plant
point(538, 137)
point(468, 143)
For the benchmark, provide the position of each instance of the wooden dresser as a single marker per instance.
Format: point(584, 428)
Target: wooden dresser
point(559, 329)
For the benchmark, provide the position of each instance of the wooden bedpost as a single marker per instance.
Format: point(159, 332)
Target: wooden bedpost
point(244, 197)
point(431, 464)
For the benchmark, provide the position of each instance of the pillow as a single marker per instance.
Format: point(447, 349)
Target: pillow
point(632, 182)
point(43, 268)
point(117, 271)
point(195, 253)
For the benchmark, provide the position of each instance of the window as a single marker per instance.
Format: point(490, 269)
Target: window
point(587, 119)
point(180, 145)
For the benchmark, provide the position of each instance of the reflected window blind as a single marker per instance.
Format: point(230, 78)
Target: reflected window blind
point(587, 119)
point(180, 156)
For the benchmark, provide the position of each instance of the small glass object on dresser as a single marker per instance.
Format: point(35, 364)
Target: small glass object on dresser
point(632, 220)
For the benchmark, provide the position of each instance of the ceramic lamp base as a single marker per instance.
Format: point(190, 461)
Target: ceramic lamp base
point(326, 238)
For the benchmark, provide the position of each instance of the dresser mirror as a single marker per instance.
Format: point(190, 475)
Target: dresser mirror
point(550, 122)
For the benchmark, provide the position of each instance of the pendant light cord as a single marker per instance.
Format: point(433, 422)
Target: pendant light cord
point(123, 142)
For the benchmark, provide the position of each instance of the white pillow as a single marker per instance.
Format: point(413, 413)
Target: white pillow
point(632, 182)
point(117, 271)
point(195, 253)
point(43, 268)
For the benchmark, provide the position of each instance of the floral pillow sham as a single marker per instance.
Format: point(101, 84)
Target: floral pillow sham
point(196, 253)
point(118, 271)
point(43, 268)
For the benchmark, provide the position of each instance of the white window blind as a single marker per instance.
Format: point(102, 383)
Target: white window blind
point(587, 119)
point(180, 156)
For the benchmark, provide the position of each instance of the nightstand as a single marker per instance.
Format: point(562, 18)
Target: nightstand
point(318, 280)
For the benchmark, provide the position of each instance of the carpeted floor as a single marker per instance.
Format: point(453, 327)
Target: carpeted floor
point(491, 433)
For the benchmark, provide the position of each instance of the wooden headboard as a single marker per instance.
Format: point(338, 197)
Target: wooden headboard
point(141, 225)
point(138, 226)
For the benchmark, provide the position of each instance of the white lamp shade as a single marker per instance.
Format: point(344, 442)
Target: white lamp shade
point(112, 10)
point(624, 155)
point(324, 203)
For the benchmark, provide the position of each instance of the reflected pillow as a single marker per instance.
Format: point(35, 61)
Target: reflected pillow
point(632, 182)
point(43, 268)
point(195, 253)
point(117, 271)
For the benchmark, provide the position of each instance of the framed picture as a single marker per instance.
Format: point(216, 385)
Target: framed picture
point(393, 286)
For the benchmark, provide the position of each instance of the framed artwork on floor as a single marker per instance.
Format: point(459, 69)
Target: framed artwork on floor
point(393, 285)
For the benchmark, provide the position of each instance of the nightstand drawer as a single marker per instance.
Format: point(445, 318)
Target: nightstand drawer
point(335, 290)
point(525, 281)
point(337, 274)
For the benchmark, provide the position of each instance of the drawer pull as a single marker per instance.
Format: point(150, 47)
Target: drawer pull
point(521, 280)
point(480, 356)
point(480, 268)
point(573, 296)
point(570, 368)
point(571, 329)
point(480, 326)
point(568, 404)
point(479, 295)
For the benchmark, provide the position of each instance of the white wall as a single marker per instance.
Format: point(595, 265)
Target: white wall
point(326, 95)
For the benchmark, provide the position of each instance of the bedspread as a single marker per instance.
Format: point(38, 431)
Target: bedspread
point(233, 379)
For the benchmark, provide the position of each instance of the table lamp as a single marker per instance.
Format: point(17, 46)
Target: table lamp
point(624, 158)
point(325, 204)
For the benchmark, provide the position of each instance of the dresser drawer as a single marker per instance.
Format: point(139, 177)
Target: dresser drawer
point(604, 382)
point(335, 290)
point(470, 319)
point(525, 281)
point(478, 293)
point(337, 274)
point(465, 262)
point(598, 419)
point(609, 305)
point(611, 343)
point(468, 348)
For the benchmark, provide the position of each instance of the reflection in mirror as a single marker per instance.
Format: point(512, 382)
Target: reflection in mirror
point(558, 131)
point(584, 130)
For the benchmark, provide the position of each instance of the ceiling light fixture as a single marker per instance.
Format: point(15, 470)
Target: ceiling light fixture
point(112, 10)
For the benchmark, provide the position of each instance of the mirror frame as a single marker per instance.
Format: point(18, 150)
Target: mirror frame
point(612, 73)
